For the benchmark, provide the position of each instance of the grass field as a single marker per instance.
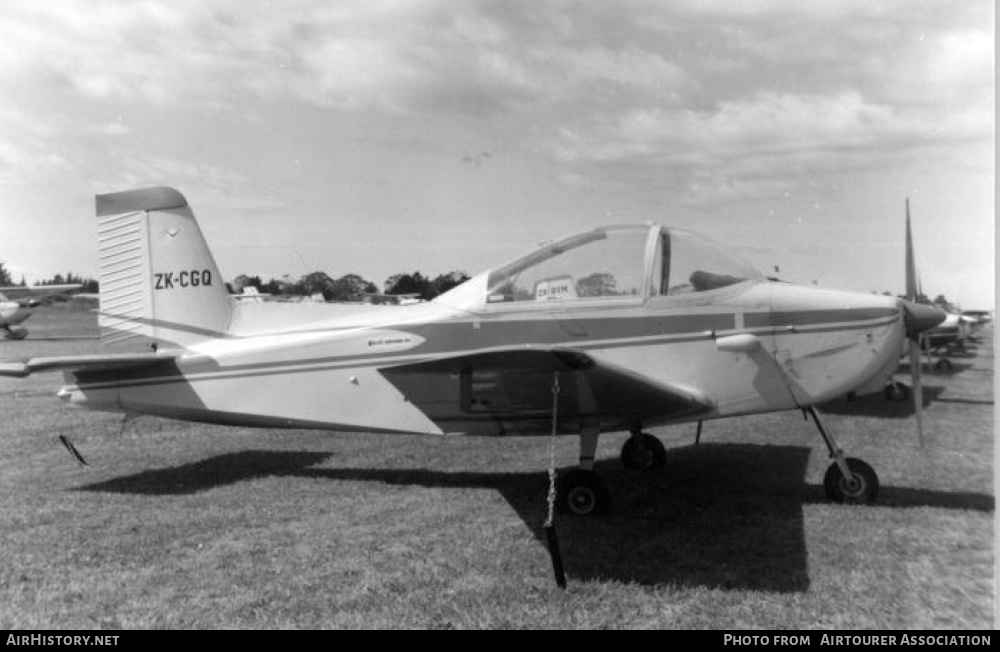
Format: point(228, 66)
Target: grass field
point(177, 525)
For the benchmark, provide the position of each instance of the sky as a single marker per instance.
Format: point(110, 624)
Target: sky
point(378, 137)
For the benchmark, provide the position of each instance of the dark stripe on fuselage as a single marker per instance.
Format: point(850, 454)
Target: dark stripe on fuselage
point(559, 329)
point(780, 318)
point(498, 328)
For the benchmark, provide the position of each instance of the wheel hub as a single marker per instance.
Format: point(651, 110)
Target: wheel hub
point(853, 485)
point(643, 457)
point(581, 500)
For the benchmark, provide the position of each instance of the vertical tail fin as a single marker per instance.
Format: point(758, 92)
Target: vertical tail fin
point(158, 281)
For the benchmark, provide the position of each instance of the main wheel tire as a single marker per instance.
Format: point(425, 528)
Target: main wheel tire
point(582, 493)
point(861, 489)
point(644, 452)
point(896, 391)
point(944, 365)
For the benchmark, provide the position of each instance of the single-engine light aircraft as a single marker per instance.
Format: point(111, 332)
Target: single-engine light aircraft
point(615, 329)
point(16, 309)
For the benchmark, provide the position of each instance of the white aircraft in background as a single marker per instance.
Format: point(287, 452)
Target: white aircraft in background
point(251, 294)
point(615, 329)
point(14, 311)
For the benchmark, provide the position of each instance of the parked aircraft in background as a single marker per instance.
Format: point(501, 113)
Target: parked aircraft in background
point(614, 329)
point(982, 317)
point(251, 293)
point(950, 336)
point(977, 320)
point(14, 310)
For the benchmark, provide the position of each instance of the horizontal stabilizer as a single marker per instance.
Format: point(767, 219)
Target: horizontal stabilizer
point(78, 363)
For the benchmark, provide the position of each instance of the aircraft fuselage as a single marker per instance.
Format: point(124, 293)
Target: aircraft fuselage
point(335, 372)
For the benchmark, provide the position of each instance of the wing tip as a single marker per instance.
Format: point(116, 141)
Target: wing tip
point(14, 369)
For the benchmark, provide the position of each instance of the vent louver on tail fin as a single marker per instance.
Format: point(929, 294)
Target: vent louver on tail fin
point(124, 270)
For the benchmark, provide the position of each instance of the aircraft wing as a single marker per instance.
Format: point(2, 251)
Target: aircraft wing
point(517, 383)
point(16, 291)
point(84, 363)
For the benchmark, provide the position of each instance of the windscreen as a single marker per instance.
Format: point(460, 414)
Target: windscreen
point(604, 264)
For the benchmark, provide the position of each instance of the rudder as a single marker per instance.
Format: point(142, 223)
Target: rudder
point(159, 283)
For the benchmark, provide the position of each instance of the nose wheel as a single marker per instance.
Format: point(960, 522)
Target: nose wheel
point(860, 488)
point(847, 480)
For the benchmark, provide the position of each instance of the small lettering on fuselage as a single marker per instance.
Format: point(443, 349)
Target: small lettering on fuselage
point(185, 279)
point(389, 341)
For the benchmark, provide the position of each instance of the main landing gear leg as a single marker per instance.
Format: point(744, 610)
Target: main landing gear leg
point(582, 492)
point(848, 480)
point(588, 447)
point(15, 333)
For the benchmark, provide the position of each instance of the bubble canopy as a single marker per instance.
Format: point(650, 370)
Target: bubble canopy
point(618, 263)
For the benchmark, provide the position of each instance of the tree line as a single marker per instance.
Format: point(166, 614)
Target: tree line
point(87, 285)
point(351, 287)
point(941, 301)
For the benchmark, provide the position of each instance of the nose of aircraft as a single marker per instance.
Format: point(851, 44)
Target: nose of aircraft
point(919, 317)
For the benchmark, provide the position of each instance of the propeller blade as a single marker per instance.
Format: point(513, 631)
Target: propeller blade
point(917, 318)
point(911, 268)
point(918, 389)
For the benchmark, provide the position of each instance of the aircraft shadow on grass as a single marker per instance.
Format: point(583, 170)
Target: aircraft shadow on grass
point(11, 349)
point(61, 338)
point(930, 372)
point(720, 516)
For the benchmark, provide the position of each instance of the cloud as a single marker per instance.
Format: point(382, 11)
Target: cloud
point(214, 186)
point(391, 56)
point(763, 146)
point(755, 89)
point(428, 56)
point(110, 129)
point(28, 148)
point(764, 124)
